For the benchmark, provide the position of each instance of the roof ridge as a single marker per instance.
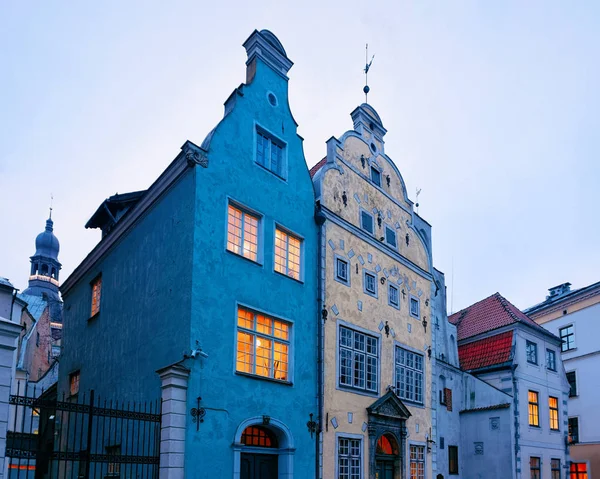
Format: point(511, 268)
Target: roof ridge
point(466, 309)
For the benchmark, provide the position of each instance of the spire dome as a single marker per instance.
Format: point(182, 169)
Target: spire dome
point(46, 243)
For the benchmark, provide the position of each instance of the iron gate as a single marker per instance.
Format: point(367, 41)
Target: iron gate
point(82, 438)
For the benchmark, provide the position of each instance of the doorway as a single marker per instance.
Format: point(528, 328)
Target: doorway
point(386, 457)
point(258, 466)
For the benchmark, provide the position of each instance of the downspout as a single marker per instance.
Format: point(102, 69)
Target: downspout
point(516, 418)
point(321, 318)
point(12, 304)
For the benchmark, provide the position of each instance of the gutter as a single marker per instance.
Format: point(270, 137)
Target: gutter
point(321, 318)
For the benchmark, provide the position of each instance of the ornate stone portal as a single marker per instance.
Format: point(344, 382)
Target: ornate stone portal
point(387, 415)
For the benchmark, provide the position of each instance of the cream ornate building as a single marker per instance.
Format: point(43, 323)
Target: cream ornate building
point(376, 288)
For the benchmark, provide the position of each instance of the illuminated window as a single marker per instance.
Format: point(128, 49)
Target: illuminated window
point(287, 254)
point(349, 458)
point(358, 360)
point(417, 462)
point(578, 470)
point(74, 383)
point(409, 375)
point(114, 467)
point(534, 410)
point(553, 406)
point(258, 436)
point(387, 445)
point(452, 459)
point(415, 307)
point(550, 359)
point(531, 352)
point(96, 293)
point(534, 467)
point(393, 296)
point(270, 153)
point(555, 468)
point(263, 345)
point(242, 233)
point(573, 430)
point(568, 338)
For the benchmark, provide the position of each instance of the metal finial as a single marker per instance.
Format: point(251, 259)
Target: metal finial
point(366, 89)
point(417, 203)
point(51, 200)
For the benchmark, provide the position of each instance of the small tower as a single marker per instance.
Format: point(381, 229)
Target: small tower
point(45, 266)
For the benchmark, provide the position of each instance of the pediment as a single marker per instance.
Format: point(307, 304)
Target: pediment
point(389, 405)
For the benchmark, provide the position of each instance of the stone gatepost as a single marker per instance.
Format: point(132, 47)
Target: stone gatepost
point(174, 384)
point(9, 332)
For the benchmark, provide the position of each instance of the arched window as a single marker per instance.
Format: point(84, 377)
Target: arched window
point(53, 273)
point(387, 445)
point(258, 436)
point(45, 269)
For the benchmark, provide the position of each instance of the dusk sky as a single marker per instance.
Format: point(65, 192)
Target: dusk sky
point(492, 109)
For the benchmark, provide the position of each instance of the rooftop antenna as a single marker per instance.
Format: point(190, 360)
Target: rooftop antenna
point(366, 89)
point(51, 199)
point(417, 203)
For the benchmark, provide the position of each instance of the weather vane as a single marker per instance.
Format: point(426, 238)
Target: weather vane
point(418, 193)
point(366, 89)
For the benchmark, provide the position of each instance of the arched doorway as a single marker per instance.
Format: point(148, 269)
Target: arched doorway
point(386, 457)
point(259, 464)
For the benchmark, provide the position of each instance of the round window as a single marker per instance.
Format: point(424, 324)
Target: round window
point(272, 98)
point(373, 148)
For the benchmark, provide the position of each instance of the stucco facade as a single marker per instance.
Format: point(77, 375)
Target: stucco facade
point(367, 329)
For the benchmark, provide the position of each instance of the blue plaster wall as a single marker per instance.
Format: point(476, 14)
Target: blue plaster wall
point(144, 317)
point(222, 279)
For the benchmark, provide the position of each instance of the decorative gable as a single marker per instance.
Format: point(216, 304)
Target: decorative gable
point(389, 405)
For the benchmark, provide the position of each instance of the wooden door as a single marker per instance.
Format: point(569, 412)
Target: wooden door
point(258, 466)
point(385, 469)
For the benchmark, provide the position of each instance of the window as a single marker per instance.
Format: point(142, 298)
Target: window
point(258, 436)
point(568, 338)
point(531, 352)
point(417, 462)
point(375, 176)
point(409, 375)
point(287, 254)
point(370, 283)
point(342, 270)
point(452, 459)
point(37, 340)
point(358, 360)
point(269, 153)
point(349, 458)
point(393, 296)
point(390, 236)
point(442, 390)
point(263, 345)
point(553, 407)
point(242, 233)
point(534, 467)
point(550, 359)
point(74, 383)
point(534, 409)
point(414, 307)
point(114, 468)
point(555, 468)
point(366, 221)
point(572, 378)
point(96, 294)
point(578, 470)
point(573, 430)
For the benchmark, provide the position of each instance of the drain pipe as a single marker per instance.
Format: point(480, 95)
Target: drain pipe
point(321, 318)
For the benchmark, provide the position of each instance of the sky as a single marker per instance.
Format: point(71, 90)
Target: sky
point(492, 110)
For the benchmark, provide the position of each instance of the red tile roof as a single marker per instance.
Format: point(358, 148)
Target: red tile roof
point(489, 314)
point(317, 167)
point(486, 352)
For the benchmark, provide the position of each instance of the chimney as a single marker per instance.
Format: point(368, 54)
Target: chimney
point(558, 291)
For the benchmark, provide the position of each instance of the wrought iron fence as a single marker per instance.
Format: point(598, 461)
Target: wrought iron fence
point(81, 437)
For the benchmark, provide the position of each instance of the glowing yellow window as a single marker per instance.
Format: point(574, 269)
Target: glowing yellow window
point(96, 293)
point(263, 345)
point(534, 411)
point(242, 233)
point(287, 254)
point(553, 406)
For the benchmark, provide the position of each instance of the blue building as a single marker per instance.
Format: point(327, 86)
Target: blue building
point(212, 270)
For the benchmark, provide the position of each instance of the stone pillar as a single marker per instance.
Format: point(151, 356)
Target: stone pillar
point(9, 332)
point(174, 384)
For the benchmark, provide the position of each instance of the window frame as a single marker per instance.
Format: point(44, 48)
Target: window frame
point(550, 415)
point(271, 337)
point(261, 131)
point(574, 375)
point(259, 230)
point(554, 468)
point(397, 289)
point(385, 237)
point(533, 407)
point(531, 347)
point(378, 172)
point(573, 420)
point(400, 378)
point(300, 238)
point(362, 226)
point(366, 272)
point(419, 448)
point(532, 469)
point(562, 338)
point(550, 353)
point(72, 376)
point(410, 303)
point(349, 437)
point(377, 356)
point(451, 451)
point(579, 474)
point(96, 298)
point(339, 258)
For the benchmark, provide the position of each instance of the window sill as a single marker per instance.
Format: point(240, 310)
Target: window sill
point(420, 405)
point(263, 378)
point(244, 258)
point(264, 168)
point(394, 306)
point(289, 277)
point(362, 392)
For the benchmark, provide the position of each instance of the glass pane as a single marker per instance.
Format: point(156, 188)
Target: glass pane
point(245, 357)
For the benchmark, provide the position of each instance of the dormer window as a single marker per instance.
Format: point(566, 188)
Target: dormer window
point(270, 153)
point(376, 176)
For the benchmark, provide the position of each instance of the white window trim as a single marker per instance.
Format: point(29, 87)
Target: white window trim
point(260, 230)
point(576, 384)
point(400, 345)
point(410, 298)
point(259, 128)
point(537, 359)
point(374, 274)
point(361, 211)
point(397, 288)
point(555, 366)
point(567, 351)
point(416, 443)
point(289, 232)
point(337, 257)
point(347, 435)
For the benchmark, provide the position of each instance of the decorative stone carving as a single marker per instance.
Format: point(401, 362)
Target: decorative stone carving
point(197, 157)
